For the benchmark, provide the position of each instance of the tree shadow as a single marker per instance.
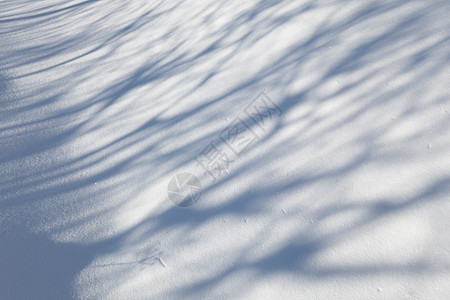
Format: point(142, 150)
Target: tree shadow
point(34, 267)
point(96, 119)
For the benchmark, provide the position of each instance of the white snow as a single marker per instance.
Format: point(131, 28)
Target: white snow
point(342, 196)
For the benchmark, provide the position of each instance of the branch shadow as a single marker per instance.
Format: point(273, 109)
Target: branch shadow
point(95, 120)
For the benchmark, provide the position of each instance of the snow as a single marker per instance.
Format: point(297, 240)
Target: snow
point(342, 195)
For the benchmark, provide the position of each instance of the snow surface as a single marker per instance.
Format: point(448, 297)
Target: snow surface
point(343, 196)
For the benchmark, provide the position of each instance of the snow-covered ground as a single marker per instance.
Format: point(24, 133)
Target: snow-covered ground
point(343, 193)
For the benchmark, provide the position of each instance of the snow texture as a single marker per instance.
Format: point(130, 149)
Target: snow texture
point(343, 195)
